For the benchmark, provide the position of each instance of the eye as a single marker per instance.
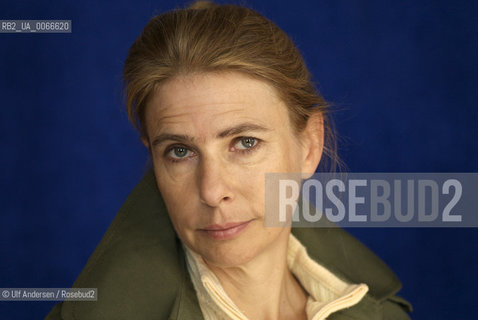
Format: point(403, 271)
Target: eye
point(245, 143)
point(179, 152)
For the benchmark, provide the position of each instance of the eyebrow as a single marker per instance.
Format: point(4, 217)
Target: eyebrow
point(232, 131)
point(241, 128)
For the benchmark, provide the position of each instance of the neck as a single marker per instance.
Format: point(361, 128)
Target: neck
point(264, 288)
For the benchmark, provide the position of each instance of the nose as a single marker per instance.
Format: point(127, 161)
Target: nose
point(214, 186)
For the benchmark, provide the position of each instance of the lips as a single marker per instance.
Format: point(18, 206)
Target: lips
point(225, 231)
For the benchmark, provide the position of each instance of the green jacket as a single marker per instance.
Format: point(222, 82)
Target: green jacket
point(140, 271)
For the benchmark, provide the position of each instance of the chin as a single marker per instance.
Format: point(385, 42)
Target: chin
point(227, 253)
point(228, 257)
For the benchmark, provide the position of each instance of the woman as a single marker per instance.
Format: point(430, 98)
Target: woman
point(221, 96)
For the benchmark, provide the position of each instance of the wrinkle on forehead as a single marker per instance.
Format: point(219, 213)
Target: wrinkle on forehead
point(203, 101)
point(173, 118)
point(196, 123)
point(190, 84)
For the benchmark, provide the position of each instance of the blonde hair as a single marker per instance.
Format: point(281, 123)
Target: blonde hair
point(208, 37)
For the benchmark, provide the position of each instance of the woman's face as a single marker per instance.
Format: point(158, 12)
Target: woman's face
point(213, 137)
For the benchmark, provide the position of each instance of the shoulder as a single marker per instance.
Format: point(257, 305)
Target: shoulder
point(137, 265)
point(352, 261)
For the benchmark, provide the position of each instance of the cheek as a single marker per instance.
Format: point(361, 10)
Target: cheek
point(287, 157)
point(179, 200)
point(182, 217)
point(174, 181)
point(292, 156)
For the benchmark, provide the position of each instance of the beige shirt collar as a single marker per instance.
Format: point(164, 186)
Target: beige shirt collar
point(327, 292)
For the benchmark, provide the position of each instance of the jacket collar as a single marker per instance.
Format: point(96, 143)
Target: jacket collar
point(140, 246)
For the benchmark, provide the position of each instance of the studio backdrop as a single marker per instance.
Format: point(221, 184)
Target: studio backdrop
point(401, 77)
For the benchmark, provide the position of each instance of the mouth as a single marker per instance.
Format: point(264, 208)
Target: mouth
point(225, 231)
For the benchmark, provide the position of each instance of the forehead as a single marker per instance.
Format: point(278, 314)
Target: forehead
point(208, 99)
point(214, 86)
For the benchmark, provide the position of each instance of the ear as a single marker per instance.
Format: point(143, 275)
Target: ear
point(312, 144)
point(145, 141)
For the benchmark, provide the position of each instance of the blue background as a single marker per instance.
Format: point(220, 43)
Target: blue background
point(402, 74)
